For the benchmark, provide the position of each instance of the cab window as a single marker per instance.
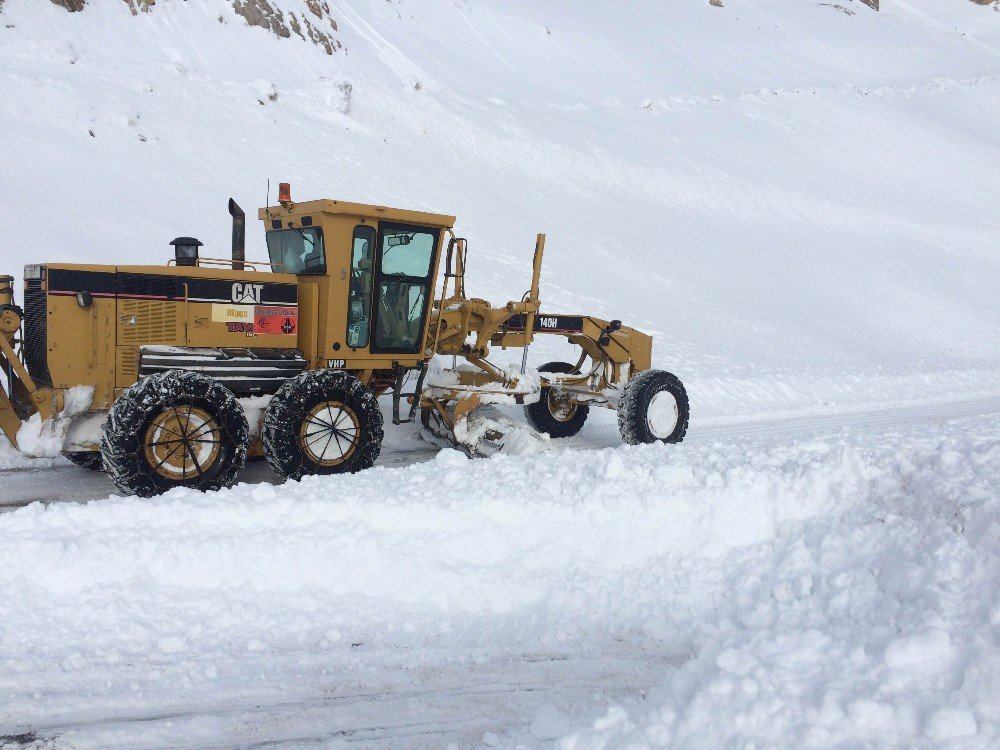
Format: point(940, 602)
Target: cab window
point(359, 298)
point(297, 250)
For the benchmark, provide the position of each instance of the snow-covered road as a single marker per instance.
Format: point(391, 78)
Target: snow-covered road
point(66, 483)
point(392, 704)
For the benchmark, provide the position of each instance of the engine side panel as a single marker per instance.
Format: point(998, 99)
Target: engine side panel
point(137, 306)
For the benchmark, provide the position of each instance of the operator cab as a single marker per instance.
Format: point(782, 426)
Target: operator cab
point(378, 266)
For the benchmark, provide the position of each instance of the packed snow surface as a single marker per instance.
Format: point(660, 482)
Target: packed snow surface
point(796, 592)
point(796, 200)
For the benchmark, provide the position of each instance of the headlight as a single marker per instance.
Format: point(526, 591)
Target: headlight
point(33, 272)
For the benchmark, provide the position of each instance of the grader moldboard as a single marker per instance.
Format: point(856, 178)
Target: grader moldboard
point(346, 310)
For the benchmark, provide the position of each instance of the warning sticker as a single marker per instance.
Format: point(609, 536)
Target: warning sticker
point(276, 320)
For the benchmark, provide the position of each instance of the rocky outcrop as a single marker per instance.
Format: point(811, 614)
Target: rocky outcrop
point(314, 23)
point(261, 13)
point(71, 5)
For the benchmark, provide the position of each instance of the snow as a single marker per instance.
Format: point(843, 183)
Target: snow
point(253, 409)
point(795, 200)
point(814, 592)
point(44, 438)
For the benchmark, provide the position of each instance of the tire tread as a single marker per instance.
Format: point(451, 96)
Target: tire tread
point(280, 425)
point(639, 391)
point(121, 452)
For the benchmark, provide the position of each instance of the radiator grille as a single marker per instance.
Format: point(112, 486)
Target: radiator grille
point(36, 355)
point(127, 357)
point(155, 322)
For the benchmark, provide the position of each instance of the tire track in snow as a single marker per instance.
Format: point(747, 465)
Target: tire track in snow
point(461, 703)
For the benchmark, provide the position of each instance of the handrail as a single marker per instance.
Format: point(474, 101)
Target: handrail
point(229, 262)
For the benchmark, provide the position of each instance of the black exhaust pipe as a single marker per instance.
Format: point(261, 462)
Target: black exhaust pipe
point(239, 235)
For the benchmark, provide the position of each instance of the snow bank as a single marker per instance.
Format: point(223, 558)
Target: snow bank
point(873, 628)
point(811, 595)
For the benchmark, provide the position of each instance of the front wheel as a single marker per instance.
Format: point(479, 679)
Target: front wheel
point(174, 429)
point(653, 409)
point(322, 422)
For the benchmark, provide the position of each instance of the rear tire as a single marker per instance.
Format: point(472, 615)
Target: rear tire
point(174, 429)
point(85, 459)
point(653, 409)
point(550, 415)
point(322, 422)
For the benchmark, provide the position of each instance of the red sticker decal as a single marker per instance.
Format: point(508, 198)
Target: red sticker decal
point(283, 321)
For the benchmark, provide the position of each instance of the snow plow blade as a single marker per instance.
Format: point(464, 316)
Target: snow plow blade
point(479, 430)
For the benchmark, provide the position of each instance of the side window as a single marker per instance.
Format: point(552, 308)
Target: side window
point(359, 298)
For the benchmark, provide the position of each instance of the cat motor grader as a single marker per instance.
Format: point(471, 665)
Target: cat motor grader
point(149, 372)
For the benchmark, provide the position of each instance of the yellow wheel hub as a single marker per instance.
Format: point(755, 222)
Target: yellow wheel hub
point(182, 443)
point(330, 433)
point(560, 409)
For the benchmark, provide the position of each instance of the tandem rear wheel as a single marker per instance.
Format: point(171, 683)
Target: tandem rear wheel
point(174, 429)
point(322, 422)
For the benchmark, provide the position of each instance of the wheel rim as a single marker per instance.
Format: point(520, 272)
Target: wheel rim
point(662, 415)
point(560, 409)
point(182, 443)
point(329, 433)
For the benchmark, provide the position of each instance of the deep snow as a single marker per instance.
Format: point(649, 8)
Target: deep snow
point(809, 589)
point(798, 202)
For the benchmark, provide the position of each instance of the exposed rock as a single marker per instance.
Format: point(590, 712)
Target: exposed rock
point(139, 5)
point(262, 14)
point(71, 5)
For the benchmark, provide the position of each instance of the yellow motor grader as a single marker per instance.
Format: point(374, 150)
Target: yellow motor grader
point(149, 372)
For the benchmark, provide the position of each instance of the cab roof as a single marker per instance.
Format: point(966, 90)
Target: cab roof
point(368, 211)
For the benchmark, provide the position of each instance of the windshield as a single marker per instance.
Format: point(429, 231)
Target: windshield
point(407, 253)
point(296, 250)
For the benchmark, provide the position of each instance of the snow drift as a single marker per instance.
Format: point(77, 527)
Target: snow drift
point(808, 596)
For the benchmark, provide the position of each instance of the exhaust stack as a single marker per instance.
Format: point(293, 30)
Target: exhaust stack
point(239, 234)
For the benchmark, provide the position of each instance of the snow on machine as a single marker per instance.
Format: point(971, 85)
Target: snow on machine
point(140, 370)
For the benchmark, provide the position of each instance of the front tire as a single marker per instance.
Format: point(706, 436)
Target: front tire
point(174, 429)
point(322, 422)
point(654, 408)
point(555, 416)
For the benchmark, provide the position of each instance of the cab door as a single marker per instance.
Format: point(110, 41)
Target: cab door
point(404, 282)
